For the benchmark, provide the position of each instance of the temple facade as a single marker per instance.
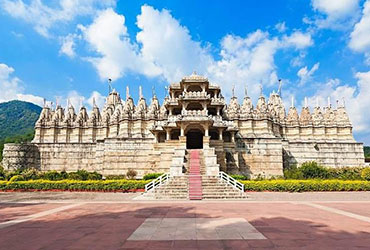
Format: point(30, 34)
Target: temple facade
point(237, 138)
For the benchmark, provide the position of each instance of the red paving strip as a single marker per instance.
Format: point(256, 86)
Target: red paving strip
point(107, 226)
point(12, 211)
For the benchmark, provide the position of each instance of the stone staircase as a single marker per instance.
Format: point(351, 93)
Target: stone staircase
point(195, 184)
point(214, 188)
point(176, 188)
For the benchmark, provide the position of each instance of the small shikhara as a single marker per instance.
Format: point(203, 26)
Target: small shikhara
point(234, 138)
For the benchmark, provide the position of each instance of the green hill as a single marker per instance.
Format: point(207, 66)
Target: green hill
point(17, 121)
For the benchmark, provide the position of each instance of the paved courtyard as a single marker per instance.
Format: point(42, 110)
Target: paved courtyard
point(115, 221)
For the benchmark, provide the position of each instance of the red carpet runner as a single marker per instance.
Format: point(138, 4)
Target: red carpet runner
point(195, 178)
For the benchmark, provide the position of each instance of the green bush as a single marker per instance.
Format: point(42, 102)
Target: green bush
point(306, 185)
point(240, 177)
point(52, 175)
point(365, 174)
point(2, 173)
point(131, 174)
point(312, 170)
point(152, 176)
point(115, 177)
point(31, 174)
point(345, 173)
point(74, 185)
point(94, 176)
point(16, 178)
point(293, 172)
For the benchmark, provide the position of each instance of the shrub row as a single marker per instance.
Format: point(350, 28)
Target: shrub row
point(312, 170)
point(306, 185)
point(73, 185)
point(33, 174)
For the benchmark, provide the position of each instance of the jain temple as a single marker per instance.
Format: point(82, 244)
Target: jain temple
point(235, 137)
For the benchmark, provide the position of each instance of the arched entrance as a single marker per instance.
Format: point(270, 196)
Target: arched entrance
point(194, 139)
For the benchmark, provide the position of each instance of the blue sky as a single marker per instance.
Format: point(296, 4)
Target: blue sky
point(67, 49)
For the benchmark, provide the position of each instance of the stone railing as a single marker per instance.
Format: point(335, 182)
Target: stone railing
point(217, 101)
point(157, 182)
point(231, 181)
point(194, 112)
point(195, 95)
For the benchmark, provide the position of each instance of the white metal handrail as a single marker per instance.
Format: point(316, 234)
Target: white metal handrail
point(157, 182)
point(230, 180)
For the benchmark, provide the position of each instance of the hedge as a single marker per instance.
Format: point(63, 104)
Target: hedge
point(73, 185)
point(306, 185)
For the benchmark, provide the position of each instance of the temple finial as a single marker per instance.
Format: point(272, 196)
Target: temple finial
point(261, 90)
point(110, 85)
point(292, 104)
point(305, 102)
point(329, 102)
point(280, 85)
point(343, 102)
point(153, 91)
point(245, 90)
point(140, 92)
point(94, 103)
point(127, 92)
point(233, 90)
point(44, 105)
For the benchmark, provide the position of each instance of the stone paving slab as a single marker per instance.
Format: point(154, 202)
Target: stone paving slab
point(196, 229)
point(285, 225)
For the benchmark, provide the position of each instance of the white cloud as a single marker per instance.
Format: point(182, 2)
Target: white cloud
point(305, 75)
point(165, 48)
point(298, 40)
point(360, 36)
point(12, 88)
point(356, 98)
point(107, 35)
point(338, 14)
point(169, 45)
point(68, 46)
point(281, 27)
point(44, 17)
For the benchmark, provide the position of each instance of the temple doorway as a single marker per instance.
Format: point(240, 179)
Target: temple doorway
point(194, 139)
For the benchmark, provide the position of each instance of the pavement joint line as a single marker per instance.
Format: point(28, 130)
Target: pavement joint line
point(38, 215)
point(338, 211)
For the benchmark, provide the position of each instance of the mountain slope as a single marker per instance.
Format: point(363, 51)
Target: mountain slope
point(17, 118)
